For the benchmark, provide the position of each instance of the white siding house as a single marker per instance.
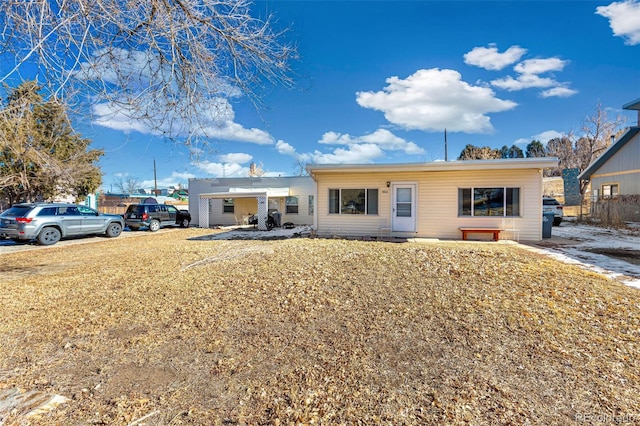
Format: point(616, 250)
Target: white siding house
point(430, 200)
point(230, 201)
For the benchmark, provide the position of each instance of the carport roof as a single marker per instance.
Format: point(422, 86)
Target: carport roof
point(248, 193)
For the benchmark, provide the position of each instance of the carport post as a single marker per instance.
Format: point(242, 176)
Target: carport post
point(203, 213)
point(263, 210)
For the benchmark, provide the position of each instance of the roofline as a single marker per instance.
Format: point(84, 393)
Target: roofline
point(633, 105)
point(233, 194)
point(437, 166)
point(610, 152)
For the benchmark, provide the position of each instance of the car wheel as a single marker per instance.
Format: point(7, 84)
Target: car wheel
point(49, 236)
point(184, 223)
point(154, 225)
point(114, 229)
point(557, 221)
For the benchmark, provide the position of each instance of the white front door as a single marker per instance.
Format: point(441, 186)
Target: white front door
point(403, 207)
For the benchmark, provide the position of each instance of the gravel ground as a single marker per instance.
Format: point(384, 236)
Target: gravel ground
point(176, 328)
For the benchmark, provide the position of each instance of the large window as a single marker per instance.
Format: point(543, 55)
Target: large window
point(228, 205)
point(610, 191)
point(488, 201)
point(353, 201)
point(291, 205)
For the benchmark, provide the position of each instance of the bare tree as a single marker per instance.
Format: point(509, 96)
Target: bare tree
point(127, 185)
point(578, 152)
point(170, 65)
point(300, 167)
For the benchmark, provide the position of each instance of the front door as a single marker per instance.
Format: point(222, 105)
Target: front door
point(403, 207)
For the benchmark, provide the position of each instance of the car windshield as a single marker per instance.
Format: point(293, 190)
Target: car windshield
point(16, 211)
point(550, 202)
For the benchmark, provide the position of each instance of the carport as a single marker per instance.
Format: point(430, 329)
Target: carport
point(262, 197)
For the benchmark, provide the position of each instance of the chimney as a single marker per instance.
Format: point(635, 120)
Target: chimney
point(252, 170)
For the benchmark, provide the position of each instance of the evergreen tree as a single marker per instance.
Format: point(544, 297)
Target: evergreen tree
point(41, 157)
point(535, 149)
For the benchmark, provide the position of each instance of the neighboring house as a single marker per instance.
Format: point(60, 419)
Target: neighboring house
point(430, 200)
point(231, 201)
point(617, 170)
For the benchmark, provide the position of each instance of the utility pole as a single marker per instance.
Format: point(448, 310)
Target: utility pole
point(155, 179)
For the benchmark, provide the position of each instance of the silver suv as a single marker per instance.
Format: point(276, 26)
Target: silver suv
point(48, 222)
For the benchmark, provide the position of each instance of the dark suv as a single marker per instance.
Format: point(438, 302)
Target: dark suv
point(48, 222)
point(155, 216)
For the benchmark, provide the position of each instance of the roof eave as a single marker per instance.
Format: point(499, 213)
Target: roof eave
point(436, 166)
point(605, 156)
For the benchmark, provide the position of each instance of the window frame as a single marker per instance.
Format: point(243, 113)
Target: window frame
point(467, 201)
point(607, 190)
point(337, 207)
point(291, 208)
point(228, 206)
point(311, 205)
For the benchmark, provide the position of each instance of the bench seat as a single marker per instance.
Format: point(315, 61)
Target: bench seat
point(480, 230)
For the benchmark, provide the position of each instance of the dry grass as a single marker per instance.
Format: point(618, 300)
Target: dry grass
point(169, 330)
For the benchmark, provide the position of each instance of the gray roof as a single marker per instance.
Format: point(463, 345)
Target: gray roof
point(610, 152)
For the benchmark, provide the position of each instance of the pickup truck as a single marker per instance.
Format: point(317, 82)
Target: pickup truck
point(155, 216)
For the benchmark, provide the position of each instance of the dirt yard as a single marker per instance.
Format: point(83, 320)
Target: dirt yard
point(170, 329)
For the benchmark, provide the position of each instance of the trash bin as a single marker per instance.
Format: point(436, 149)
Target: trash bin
point(547, 224)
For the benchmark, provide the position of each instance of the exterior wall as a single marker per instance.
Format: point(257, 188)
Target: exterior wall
point(436, 200)
point(301, 187)
point(622, 168)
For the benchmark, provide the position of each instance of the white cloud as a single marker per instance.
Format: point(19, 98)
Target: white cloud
point(434, 99)
point(524, 81)
point(353, 154)
point(353, 149)
point(382, 137)
point(216, 117)
point(222, 169)
point(286, 149)
point(174, 180)
point(543, 137)
point(560, 92)
point(539, 66)
point(236, 157)
point(624, 19)
point(489, 58)
point(228, 165)
point(529, 77)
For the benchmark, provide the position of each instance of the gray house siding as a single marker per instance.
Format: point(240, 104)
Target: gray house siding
point(618, 166)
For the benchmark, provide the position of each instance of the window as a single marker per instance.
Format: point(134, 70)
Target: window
point(488, 201)
point(86, 211)
point(610, 190)
point(311, 205)
point(353, 201)
point(291, 205)
point(47, 211)
point(228, 205)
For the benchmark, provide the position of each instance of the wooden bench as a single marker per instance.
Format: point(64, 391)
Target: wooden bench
point(480, 230)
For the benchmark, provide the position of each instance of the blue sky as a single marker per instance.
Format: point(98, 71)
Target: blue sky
point(379, 81)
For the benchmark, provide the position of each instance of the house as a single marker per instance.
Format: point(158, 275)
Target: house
point(430, 200)
point(617, 170)
point(231, 201)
